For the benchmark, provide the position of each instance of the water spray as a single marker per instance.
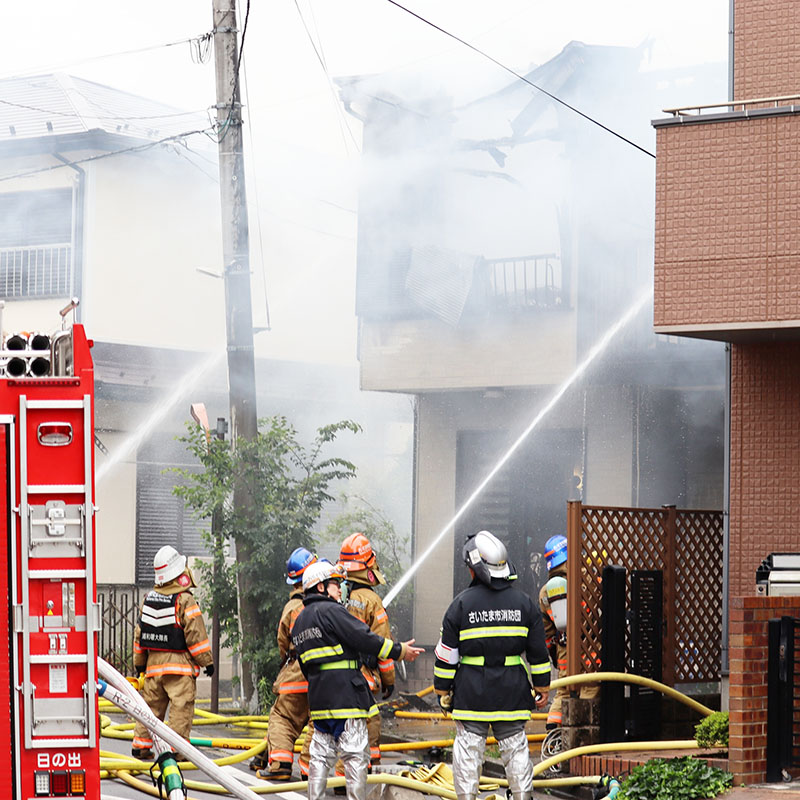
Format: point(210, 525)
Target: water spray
point(595, 351)
point(186, 384)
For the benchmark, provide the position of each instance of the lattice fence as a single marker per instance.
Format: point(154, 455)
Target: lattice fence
point(686, 546)
point(119, 608)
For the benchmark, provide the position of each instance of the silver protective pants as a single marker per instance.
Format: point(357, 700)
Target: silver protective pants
point(468, 748)
point(353, 747)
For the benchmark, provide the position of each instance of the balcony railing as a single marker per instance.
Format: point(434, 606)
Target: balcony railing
point(788, 103)
point(524, 282)
point(36, 271)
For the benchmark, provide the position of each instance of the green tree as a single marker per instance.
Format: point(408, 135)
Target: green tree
point(287, 484)
point(392, 549)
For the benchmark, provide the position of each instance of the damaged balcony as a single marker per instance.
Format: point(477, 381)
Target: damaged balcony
point(727, 242)
point(456, 318)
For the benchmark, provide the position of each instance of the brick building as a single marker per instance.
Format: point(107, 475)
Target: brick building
point(727, 267)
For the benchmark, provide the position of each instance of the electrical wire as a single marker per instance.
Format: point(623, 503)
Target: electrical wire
point(520, 77)
point(97, 116)
point(321, 58)
point(135, 149)
point(62, 65)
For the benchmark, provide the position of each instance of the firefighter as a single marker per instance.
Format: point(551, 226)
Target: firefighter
point(363, 576)
point(552, 602)
point(289, 714)
point(170, 645)
point(328, 642)
point(479, 672)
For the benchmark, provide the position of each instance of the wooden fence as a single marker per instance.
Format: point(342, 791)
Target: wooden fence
point(686, 546)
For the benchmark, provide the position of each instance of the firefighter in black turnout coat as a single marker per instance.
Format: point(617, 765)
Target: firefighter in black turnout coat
point(479, 671)
point(328, 641)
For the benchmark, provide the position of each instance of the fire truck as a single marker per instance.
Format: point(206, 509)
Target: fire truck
point(49, 737)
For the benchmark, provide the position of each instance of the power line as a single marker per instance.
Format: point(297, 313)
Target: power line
point(521, 77)
point(97, 116)
point(88, 159)
point(62, 65)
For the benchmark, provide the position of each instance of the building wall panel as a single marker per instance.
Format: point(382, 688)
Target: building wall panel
point(765, 458)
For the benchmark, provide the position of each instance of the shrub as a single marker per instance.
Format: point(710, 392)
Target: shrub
point(684, 778)
point(713, 730)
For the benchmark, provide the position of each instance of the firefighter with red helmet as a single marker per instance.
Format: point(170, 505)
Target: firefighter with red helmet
point(553, 605)
point(170, 645)
point(363, 602)
point(289, 713)
point(329, 642)
point(479, 671)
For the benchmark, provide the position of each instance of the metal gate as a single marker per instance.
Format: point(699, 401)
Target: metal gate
point(783, 697)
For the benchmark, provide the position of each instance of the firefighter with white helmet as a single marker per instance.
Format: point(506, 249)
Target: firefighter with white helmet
point(328, 642)
point(479, 671)
point(553, 605)
point(363, 576)
point(170, 645)
point(289, 714)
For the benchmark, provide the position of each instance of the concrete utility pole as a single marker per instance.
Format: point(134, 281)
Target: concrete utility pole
point(235, 233)
point(236, 262)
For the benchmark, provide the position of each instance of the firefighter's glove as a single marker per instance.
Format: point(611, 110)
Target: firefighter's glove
point(387, 692)
point(140, 680)
point(209, 670)
point(446, 702)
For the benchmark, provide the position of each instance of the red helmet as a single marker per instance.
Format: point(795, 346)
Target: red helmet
point(356, 553)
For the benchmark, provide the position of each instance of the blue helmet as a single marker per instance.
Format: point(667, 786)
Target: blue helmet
point(555, 551)
point(298, 561)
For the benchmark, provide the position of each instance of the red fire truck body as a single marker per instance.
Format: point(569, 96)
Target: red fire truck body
point(49, 737)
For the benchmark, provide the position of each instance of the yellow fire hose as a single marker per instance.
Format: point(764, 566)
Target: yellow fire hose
point(624, 677)
point(114, 765)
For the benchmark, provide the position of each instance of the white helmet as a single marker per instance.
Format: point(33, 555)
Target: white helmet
point(168, 564)
point(487, 557)
point(320, 571)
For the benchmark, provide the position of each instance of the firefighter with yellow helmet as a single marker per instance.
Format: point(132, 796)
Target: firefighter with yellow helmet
point(289, 713)
point(363, 576)
point(170, 645)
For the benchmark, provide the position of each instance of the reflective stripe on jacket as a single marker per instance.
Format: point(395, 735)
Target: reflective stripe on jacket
point(328, 641)
point(485, 633)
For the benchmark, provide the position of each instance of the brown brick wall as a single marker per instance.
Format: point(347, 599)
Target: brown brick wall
point(765, 457)
point(766, 48)
point(727, 242)
point(747, 758)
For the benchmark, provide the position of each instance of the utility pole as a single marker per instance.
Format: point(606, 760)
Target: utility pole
point(236, 261)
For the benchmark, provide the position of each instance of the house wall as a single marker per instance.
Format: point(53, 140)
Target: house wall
point(765, 459)
point(727, 247)
point(521, 349)
point(766, 48)
point(150, 222)
point(116, 517)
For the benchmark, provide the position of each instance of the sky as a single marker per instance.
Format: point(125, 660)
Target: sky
point(302, 150)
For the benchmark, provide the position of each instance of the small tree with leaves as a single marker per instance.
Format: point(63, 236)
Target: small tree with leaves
point(287, 484)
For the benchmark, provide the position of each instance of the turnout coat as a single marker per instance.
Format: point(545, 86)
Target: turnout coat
point(328, 641)
point(485, 633)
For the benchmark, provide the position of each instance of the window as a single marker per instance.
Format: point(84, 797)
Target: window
point(36, 244)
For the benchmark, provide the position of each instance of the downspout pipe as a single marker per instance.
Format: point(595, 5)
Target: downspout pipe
point(78, 219)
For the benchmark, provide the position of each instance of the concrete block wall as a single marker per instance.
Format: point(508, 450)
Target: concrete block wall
point(747, 750)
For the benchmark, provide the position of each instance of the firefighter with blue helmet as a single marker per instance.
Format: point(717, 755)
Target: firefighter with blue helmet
point(479, 671)
point(553, 605)
point(289, 713)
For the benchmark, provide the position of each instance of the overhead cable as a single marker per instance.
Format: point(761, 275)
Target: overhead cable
point(521, 77)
